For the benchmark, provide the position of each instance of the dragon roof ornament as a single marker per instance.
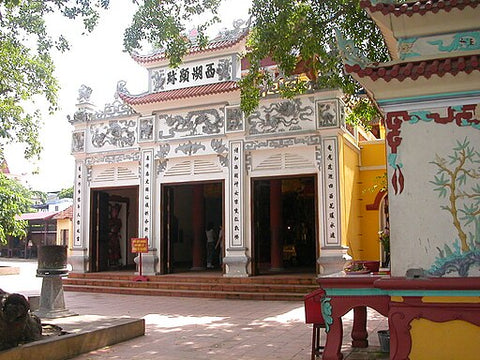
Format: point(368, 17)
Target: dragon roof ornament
point(350, 54)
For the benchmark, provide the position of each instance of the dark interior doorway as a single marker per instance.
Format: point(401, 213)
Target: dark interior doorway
point(292, 209)
point(114, 221)
point(187, 210)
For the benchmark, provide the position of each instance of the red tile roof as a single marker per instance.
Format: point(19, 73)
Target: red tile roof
point(65, 214)
point(194, 91)
point(416, 69)
point(418, 7)
point(211, 46)
point(41, 215)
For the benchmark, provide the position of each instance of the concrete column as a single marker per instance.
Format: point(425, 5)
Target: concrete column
point(276, 240)
point(198, 216)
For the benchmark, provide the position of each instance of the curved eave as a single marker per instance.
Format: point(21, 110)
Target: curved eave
point(195, 50)
point(418, 7)
point(428, 77)
point(416, 69)
point(180, 94)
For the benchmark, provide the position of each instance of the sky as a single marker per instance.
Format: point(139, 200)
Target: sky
point(98, 61)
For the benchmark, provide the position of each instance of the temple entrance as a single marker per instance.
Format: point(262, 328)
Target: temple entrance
point(187, 210)
point(113, 221)
point(284, 227)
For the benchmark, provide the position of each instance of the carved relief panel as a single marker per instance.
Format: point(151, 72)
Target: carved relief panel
point(113, 135)
point(194, 123)
point(283, 116)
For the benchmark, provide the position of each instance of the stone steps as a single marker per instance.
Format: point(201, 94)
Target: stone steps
point(290, 288)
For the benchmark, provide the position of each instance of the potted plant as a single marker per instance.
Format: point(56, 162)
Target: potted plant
point(384, 237)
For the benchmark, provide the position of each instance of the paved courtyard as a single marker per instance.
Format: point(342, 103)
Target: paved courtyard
point(191, 328)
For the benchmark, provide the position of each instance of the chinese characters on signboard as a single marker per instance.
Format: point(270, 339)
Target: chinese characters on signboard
point(331, 191)
point(78, 204)
point(236, 187)
point(192, 74)
point(139, 245)
point(147, 179)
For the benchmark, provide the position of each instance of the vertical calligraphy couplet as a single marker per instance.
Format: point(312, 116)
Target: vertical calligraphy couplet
point(236, 193)
point(332, 231)
point(146, 196)
point(78, 203)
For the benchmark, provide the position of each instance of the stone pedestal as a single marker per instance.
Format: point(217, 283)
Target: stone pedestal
point(236, 264)
point(52, 301)
point(149, 263)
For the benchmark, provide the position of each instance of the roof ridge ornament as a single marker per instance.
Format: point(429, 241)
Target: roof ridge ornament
point(350, 54)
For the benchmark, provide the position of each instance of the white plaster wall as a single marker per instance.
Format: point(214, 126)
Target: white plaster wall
point(419, 226)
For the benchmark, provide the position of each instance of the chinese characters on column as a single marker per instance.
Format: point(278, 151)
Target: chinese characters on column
point(77, 241)
point(146, 210)
point(236, 187)
point(331, 192)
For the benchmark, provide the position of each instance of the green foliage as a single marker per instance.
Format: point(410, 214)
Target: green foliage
point(285, 30)
point(163, 24)
point(66, 193)
point(14, 200)
point(27, 70)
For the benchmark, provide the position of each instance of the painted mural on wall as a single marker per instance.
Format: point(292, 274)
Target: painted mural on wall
point(457, 182)
point(462, 116)
point(434, 173)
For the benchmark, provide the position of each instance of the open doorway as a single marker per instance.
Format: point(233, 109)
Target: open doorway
point(287, 204)
point(187, 210)
point(114, 221)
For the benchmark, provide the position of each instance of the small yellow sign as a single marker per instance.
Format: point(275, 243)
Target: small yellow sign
point(139, 245)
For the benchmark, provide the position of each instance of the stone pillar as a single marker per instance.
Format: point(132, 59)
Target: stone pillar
point(198, 220)
point(276, 238)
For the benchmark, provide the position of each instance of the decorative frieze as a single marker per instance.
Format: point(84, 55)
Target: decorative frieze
point(194, 123)
point(283, 116)
point(279, 143)
point(119, 134)
point(433, 45)
point(146, 128)
point(190, 148)
point(234, 119)
point(329, 113)
point(113, 159)
point(78, 141)
point(219, 147)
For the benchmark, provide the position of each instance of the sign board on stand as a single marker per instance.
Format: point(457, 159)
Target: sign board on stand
point(139, 245)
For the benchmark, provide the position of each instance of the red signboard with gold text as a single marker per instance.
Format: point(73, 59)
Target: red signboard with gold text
point(139, 245)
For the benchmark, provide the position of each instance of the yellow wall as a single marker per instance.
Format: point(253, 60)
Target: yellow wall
point(349, 156)
point(67, 225)
point(372, 166)
point(455, 339)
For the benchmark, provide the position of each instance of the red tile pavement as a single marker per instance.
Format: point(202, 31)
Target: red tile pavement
point(191, 328)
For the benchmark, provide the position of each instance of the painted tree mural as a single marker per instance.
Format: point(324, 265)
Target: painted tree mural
point(458, 180)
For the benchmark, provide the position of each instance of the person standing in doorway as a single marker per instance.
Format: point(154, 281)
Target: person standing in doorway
point(219, 245)
point(210, 232)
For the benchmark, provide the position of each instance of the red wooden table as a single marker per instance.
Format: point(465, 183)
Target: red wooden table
point(342, 293)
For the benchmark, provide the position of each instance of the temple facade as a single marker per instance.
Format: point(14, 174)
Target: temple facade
point(285, 183)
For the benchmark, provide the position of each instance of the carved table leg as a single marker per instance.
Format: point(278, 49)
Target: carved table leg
point(359, 329)
point(333, 344)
